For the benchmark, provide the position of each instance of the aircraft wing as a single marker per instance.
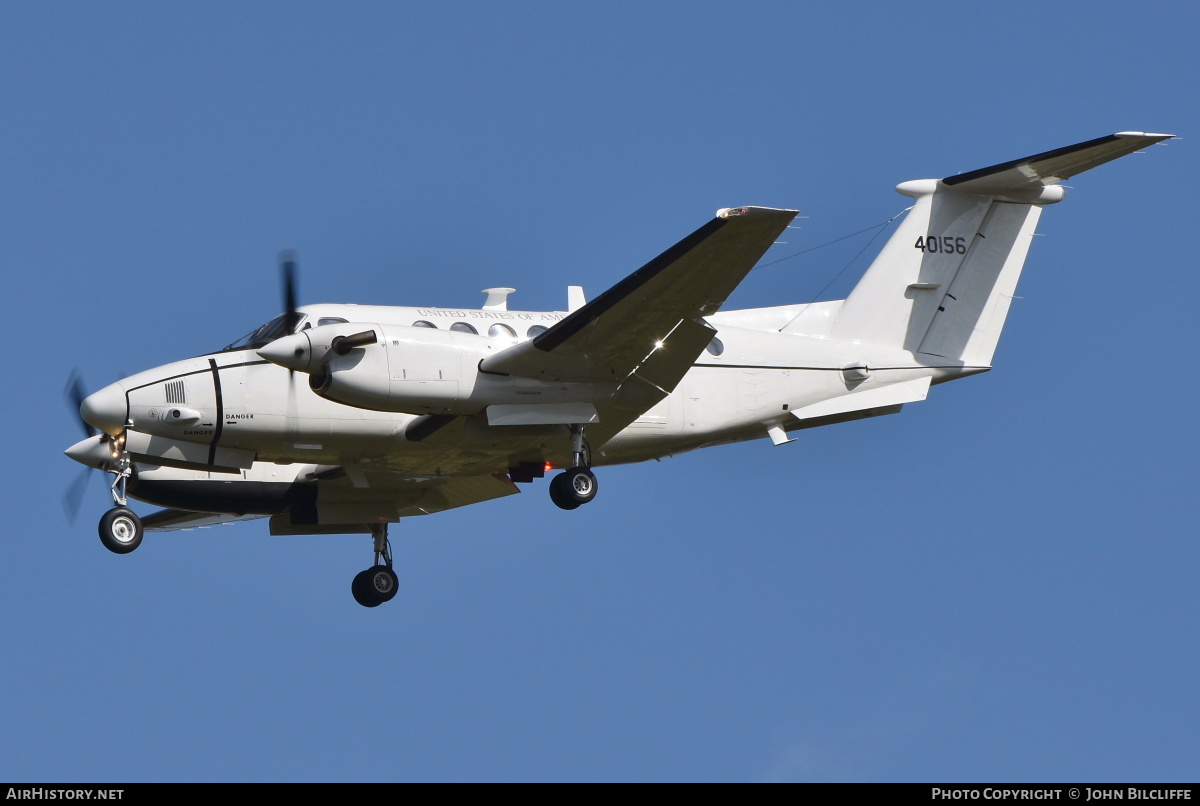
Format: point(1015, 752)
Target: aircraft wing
point(615, 333)
point(385, 494)
point(356, 499)
point(645, 332)
point(171, 520)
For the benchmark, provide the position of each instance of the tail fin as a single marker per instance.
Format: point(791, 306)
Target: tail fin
point(942, 284)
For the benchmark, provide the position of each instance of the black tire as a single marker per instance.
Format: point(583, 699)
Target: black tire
point(559, 495)
point(360, 588)
point(579, 485)
point(373, 587)
point(121, 530)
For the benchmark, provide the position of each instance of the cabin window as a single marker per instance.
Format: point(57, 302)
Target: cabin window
point(463, 327)
point(535, 330)
point(423, 323)
point(502, 331)
point(715, 347)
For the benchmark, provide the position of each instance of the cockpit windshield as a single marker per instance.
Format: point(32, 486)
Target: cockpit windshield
point(263, 336)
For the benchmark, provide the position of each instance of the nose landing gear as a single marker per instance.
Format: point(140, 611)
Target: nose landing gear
point(120, 529)
point(378, 584)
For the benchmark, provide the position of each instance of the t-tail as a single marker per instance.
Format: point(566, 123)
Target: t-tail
point(942, 284)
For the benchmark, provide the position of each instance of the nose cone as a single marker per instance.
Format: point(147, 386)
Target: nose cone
point(93, 452)
point(106, 409)
point(292, 352)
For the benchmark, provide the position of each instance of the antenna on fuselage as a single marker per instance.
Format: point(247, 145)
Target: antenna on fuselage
point(497, 298)
point(575, 298)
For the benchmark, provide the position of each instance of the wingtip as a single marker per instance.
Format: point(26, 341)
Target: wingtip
point(1156, 136)
point(730, 212)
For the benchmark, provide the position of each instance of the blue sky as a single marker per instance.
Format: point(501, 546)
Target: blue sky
point(998, 584)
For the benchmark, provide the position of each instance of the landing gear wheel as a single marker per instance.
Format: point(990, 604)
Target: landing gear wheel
point(121, 530)
point(358, 587)
point(559, 495)
point(573, 488)
point(374, 586)
point(580, 484)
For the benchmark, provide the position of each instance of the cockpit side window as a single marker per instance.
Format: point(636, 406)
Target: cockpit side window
point(263, 336)
point(331, 320)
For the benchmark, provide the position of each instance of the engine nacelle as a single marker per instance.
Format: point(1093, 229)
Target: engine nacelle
point(415, 370)
point(418, 372)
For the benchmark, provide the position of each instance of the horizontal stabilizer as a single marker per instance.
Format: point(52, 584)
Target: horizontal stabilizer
point(1051, 167)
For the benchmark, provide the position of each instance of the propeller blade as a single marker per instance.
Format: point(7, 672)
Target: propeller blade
point(73, 498)
point(287, 266)
point(74, 394)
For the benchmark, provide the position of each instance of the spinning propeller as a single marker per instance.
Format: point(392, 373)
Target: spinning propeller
point(292, 350)
point(287, 272)
point(287, 268)
point(74, 393)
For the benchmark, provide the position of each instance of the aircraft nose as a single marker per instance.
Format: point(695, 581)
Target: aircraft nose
point(106, 409)
point(290, 351)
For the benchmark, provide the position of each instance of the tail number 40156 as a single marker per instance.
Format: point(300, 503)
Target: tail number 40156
point(943, 244)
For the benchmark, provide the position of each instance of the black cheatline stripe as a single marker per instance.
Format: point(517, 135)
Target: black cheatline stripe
point(197, 372)
point(212, 448)
point(577, 320)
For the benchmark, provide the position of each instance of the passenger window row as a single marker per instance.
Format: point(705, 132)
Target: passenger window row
point(496, 331)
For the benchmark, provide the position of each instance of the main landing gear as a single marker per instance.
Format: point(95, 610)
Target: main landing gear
point(120, 528)
point(378, 584)
point(575, 486)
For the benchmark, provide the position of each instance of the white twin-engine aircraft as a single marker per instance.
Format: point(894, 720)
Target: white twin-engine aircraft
point(345, 418)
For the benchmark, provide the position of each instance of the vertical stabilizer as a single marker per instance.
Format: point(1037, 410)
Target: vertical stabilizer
point(942, 284)
point(894, 301)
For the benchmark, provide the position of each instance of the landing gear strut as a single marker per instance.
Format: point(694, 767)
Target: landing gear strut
point(575, 486)
point(378, 584)
point(120, 528)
